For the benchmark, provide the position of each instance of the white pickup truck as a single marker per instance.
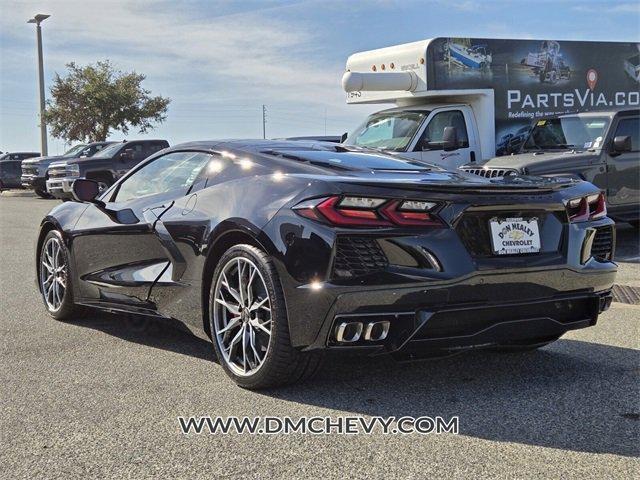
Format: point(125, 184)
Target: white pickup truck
point(450, 109)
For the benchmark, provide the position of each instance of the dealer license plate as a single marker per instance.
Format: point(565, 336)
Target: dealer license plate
point(510, 236)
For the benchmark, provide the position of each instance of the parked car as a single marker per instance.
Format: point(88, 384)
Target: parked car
point(281, 250)
point(34, 171)
point(105, 167)
point(600, 147)
point(10, 168)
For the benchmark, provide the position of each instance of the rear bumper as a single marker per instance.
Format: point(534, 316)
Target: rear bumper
point(481, 310)
point(60, 187)
point(434, 332)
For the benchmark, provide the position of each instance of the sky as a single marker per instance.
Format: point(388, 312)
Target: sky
point(220, 61)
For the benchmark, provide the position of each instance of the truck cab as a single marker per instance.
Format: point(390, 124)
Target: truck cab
point(105, 167)
point(441, 134)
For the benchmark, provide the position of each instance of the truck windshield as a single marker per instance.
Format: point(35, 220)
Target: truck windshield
point(73, 152)
point(566, 133)
point(108, 152)
point(387, 130)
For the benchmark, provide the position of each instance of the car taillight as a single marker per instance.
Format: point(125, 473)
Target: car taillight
point(351, 211)
point(583, 209)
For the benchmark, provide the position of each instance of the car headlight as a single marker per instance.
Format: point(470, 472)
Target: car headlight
point(73, 170)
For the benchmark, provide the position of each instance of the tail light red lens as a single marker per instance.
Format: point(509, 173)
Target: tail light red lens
point(591, 207)
point(353, 211)
point(395, 212)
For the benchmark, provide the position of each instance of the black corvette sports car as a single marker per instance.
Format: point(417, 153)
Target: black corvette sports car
point(281, 250)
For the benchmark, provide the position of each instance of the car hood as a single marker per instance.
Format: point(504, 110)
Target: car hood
point(41, 160)
point(538, 161)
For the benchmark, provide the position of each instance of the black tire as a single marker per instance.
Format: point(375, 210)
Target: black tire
point(524, 347)
point(104, 181)
point(42, 193)
point(67, 308)
point(282, 363)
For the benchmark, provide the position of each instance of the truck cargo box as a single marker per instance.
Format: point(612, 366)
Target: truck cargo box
point(509, 83)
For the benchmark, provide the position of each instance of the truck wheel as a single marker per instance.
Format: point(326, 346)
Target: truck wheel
point(104, 181)
point(42, 193)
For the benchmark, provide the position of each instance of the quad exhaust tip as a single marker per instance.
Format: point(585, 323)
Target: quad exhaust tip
point(351, 332)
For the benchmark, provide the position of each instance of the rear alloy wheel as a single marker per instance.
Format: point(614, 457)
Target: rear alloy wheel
point(55, 277)
point(249, 326)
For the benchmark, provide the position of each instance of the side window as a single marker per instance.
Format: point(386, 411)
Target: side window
point(173, 171)
point(153, 147)
point(138, 151)
point(434, 132)
point(630, 127)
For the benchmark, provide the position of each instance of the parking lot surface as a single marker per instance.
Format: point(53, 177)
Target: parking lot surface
point(100, 397)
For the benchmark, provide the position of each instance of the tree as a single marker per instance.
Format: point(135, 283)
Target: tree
point(91, 101)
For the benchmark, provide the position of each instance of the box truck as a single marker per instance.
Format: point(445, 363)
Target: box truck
point(457, 99)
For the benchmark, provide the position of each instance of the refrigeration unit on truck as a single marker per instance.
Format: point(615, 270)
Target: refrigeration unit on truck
point(454, 112)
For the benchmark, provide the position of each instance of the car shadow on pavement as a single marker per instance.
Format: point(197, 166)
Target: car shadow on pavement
point(571, 395)
point(161, 333)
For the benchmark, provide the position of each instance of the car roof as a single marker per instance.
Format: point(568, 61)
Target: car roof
point(325, 154)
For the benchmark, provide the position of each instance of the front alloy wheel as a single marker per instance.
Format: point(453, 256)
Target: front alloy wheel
point(53, 274)
point(242, 316)
point(55, 277)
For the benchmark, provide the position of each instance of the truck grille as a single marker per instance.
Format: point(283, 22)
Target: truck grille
point(356, 256)
point(29, 170)
point(603, 243)
point(57, 172)
point(490, 172)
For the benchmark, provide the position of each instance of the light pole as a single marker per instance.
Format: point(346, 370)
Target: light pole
point(38, 19)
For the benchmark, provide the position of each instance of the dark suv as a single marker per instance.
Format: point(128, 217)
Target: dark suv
point(600, 147)
point(34, 171)
point(105, 167)
point(10, 164)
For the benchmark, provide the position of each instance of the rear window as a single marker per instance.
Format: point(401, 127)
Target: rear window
point(353, 160)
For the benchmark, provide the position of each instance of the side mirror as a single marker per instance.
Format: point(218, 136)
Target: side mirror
point(343, 137)
point(622, 144)
point(450, 139)
point(85, 190)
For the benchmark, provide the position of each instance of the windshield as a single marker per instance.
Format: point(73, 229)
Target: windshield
point(387, 131)
point(73, 152)
point(109, 151)
point(567, 132)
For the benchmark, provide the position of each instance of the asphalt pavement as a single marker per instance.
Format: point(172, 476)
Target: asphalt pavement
point(100, 397)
